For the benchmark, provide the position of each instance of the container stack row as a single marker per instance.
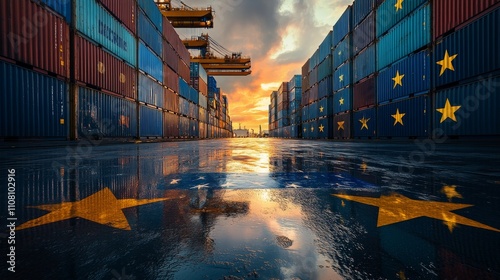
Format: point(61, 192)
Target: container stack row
point(220, 124)
point(413, 69)
point(97, 68)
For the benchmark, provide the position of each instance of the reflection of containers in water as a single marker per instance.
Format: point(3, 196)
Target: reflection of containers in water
point(124, 10)
point(342, 101)
point(342, 77)
point(363, 34)
point(103, 115)
point(389, 14)
point(151, 122)
point(171, 101)
point(45, 48)
point(408, 36)
point(364, 64)
point(342, 27)
point(468, 60)
point(99, 25)
point(470, 109)
point(342, 53)
point(449, 15)
point(151, 10)
point(95, 66)
point(149, 63)
point(342, 126)
point(33, 104)
point(148, 33)
point(360, 9)
point(364, 93)
point(150, 92)
point(365, 123)
point(409, 76)
point(405, 118)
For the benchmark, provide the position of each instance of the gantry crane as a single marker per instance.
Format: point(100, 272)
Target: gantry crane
point(185, 16)
point(227, 64)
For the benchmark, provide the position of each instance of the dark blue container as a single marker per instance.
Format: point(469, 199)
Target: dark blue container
point(150, 63)
point(342, 27)
point(305, 113)
point(296, 81)
point(193, 95)
point(405, 118)
point(295, 94)
point(151, 10)
point(364, 94)
point(295, 131)
point(313, 110)
point(151, 122)
point(409, 76)
point(184, 107)
point(325, 68)
point(325, 128)
point(388, 14)
point(184, 88)
point(342, 126)
point(342, 77)
point(314, 60)
point(342, 101)
point(365, 123)
point(150, 91)
point(325, 88)
point(472, 50)
point(342, 52)
point(325, 107)
point(194, 112)
point(212, 84)
point(184, 127)
point(32, 105)
point(197, 71)
point(325, 48)
point(194, 127)
point(306, 130)
point(473, 109)
point(62, 7)
point(361, 8)
point(104, 115)
point(148, 33)
point(364, 64)
point(363, 34)
point(313, 130)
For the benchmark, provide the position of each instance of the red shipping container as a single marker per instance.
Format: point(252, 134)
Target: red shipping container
point(34, 36)
point(170, 57)
point(184, 71)
point(170, 78)
point(171, 101)
point(170, 125)
point(96, 67)
point(184, 53)
point(364, 93)
point(450, 14)
point(169, 33)
point(124, 11)
point(199, 85)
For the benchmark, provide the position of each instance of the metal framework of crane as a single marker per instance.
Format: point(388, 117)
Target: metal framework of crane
point(186, 16)
point(226, 63)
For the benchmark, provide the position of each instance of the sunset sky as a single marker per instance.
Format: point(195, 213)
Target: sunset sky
point(278, 35)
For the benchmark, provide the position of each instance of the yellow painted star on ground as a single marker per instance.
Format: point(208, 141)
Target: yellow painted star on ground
point(398, 80)
point(397, 208)
point(321, 128)
point(101, 207)
point(451, 192)
point(341, 125)
point(399, 5)
point(398, 117)
point(341, 101)
point(321, 109)
point(364, 123)
point(341, 78)
point(446, 63)
point(448, 111)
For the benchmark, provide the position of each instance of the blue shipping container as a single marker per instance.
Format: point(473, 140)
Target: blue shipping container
point(202, 100)
point(197, 70)
point(193, 95)
point(314, 61)
point(212, 84)
point(184, 107)
point(342, 101)
point(409, 76)
point(361, 8)
point(103, 115)
point(306, 130)
point(406, 118)
point(150, 63)
point(325, 88)
point(151, 10)
point(313, 110)
point(364, 64)
point(325, 107)
point(325, 48)
point(193, 111)
point(62, 7)
point(99, 25)
point(325, 69)
point(32, 104)
point(342, 126)
point(148, 33)
point(150, 91)
point(468, 52)
point(325, 128)
point(151, 122)
point(410, 35)
point(194, 127)
point(342, 52)
point(342, 77)
point(342, 27)
point(363, 34)
point(295, 131)
point(365, 123)
point(184, 88)
point(184, 128)
point(295, 94)
point(470, 109)
point(296, 81)
point(389, 14)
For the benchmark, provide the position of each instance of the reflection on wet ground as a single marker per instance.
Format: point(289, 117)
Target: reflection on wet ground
point(255, 208)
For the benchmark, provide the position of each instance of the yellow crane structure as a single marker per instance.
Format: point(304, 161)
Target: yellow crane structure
point(227, 63)
point(185, 16)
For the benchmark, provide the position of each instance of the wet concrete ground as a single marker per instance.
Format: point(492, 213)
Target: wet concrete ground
point(253, 209)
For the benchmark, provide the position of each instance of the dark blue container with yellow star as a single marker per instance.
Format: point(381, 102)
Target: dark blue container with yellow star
point(342, 77)
point(409, 76)
point(342, 126)
point(389, 13)
point(469, 109)
point(325, 128)
point(342, 52)
point(342, 101)
point(342, 27)
point(405, 118)
point(365, 123)
point(325, 107)
point(468, 52)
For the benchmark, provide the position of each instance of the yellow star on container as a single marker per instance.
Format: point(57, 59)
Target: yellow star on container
point(398, 117)
point(305, 129)
point(448, 111)
point(321, 109)
point(446, 63)
point(341, 101)
point(364, 123)
point(321, 128)
point(312, 128)
point(399, 5)
point(341, 78)
point(397, 208)
point(341, 125)
point(398, 80)
point(101, 207)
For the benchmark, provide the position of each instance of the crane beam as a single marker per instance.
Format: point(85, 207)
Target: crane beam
point(229, 73)
point(225, 66)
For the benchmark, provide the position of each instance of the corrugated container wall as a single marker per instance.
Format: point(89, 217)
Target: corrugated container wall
point(411, 34)
point(99, 25)
point(104, 115)
point(342, 52)
point(197, 70)
point(364, 93)
point(389, 14)
point(62, 7)
point(470, 51)
point(150, 91)
point(170, 78)
point(150, 63)
point(361, 8)
point(171, 101)
point(365, 123)
point(325, 68)
point(364, 33)
point(296, 81)
point(149, 35)
point(46, 49)
point(406, 118)
point(151, 9)
point(342, 27)
point(342, 126)
point(151, 122)
point(32, 105)
point(342, 101)
point(170, 125)
point(124, 10)
point(342, 77)
point(451, 14)
point(364, 64)
point(325, 48)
